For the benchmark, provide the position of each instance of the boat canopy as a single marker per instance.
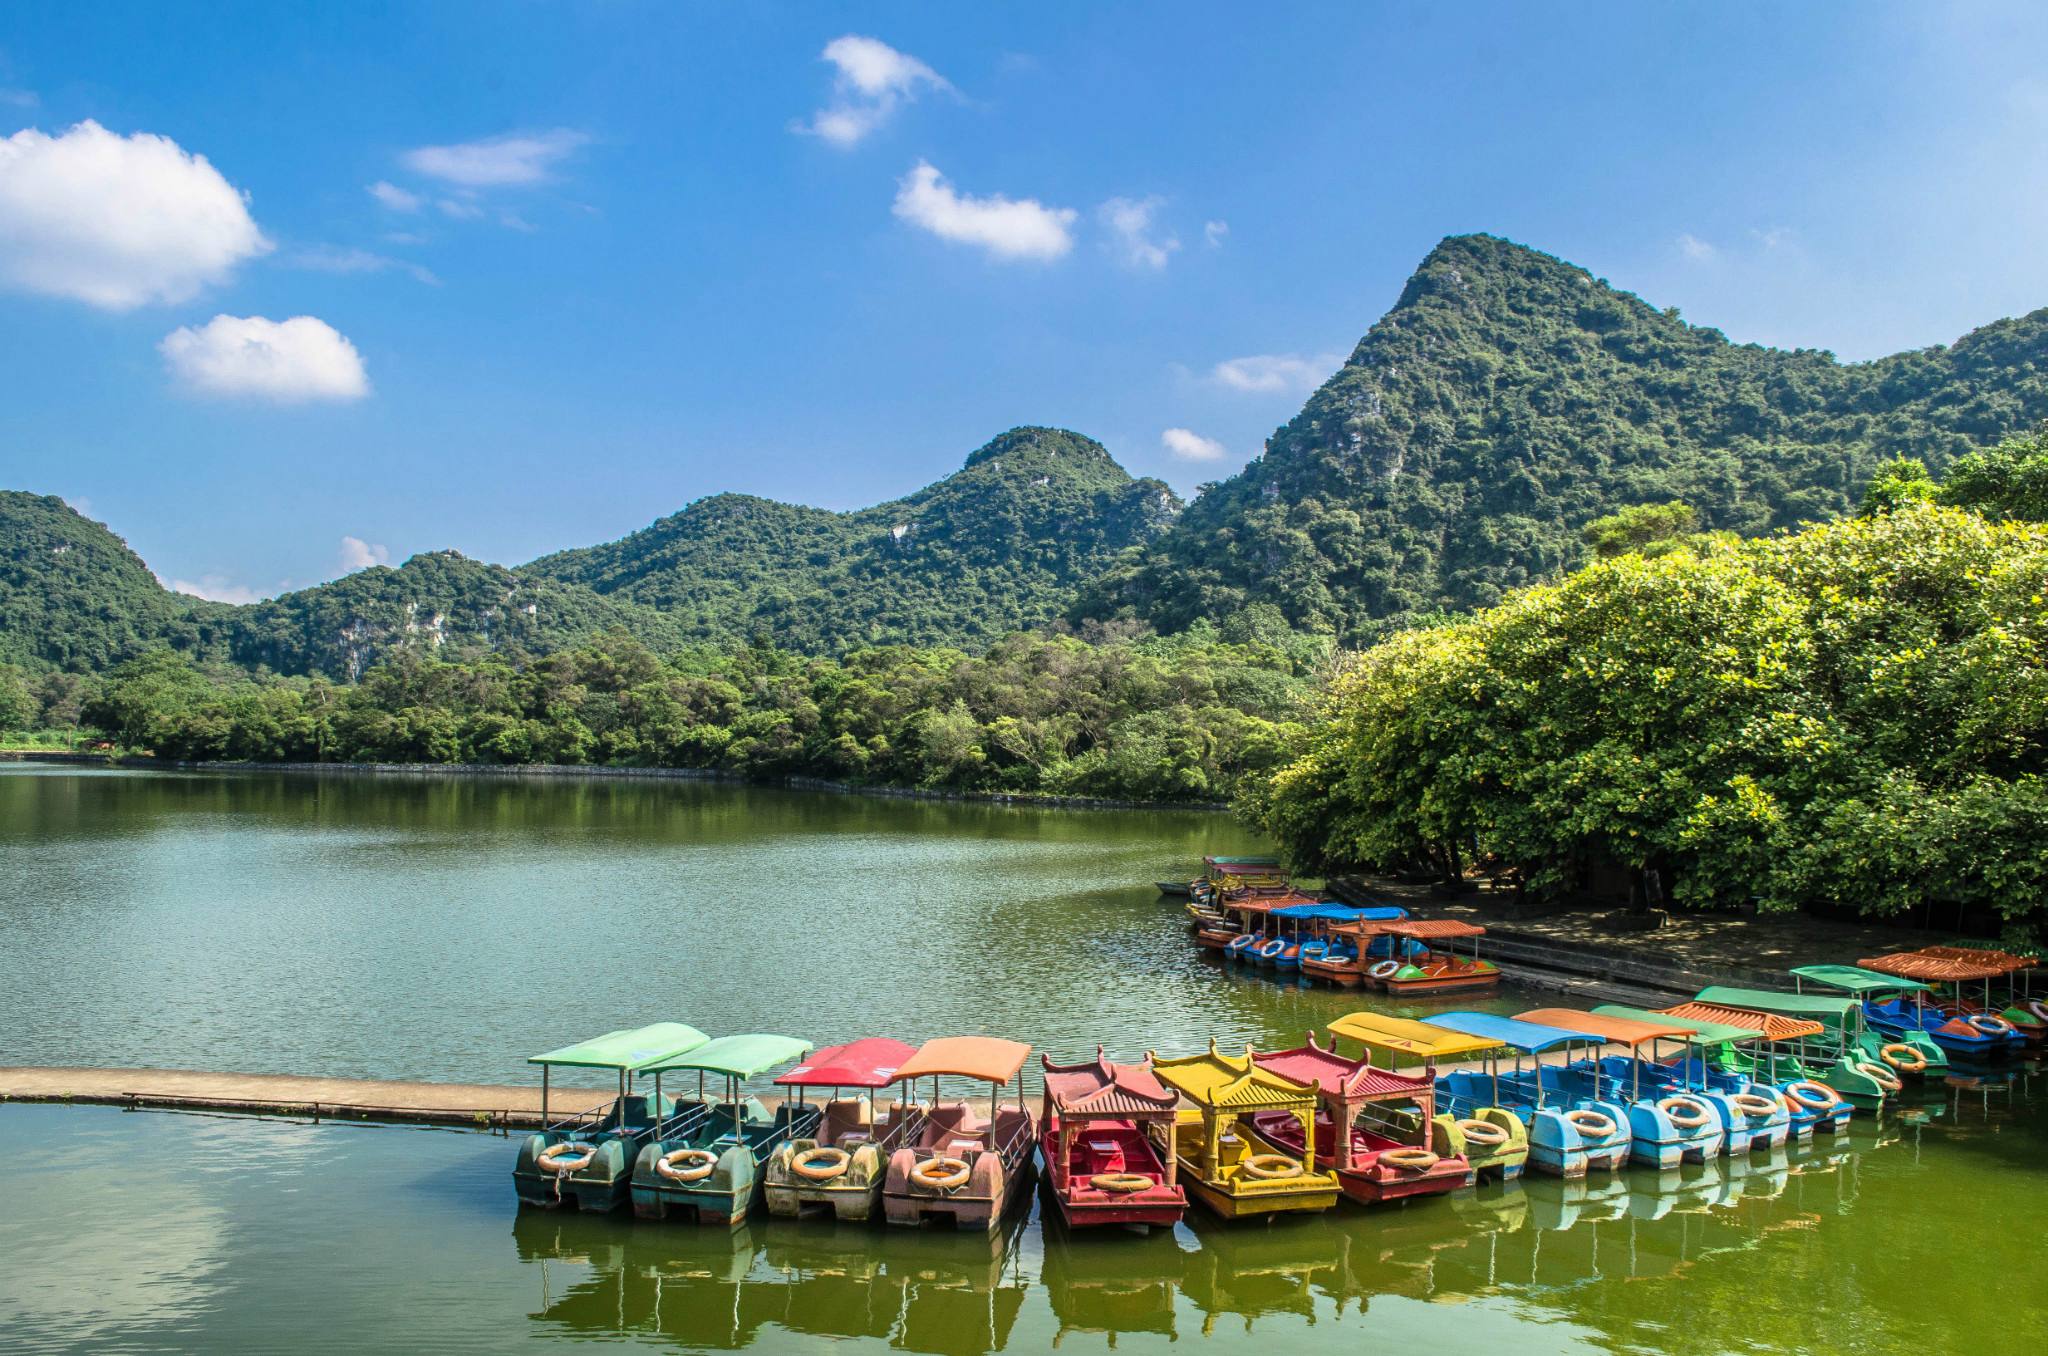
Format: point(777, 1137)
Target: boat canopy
point(1433, 929)
point(1941, 969)
point(1777, 1000)
point(988, 1058)
point(1628, 1031)
point(1531, 1038)
point(1772, 1026)
point(1700, 1030)
point(1341, 1078)
point(1853, 979)
point(868, 1063)
point(1261, 863)
point(627, 1051)
point(1102, 1088)
point(1401, 1036)
point(737, 1056)
point(1988, 957)
point(1337, 913)
point(1231, 1082)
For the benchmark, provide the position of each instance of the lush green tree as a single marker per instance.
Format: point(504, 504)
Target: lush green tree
point(2006, 481)
point(1647, 528)
point(19, 709)
point(1897, 482)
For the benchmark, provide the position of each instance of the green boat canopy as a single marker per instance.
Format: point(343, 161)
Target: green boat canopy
point(1776, 1000)
point(737, 1056)
point(1704, 1033)
point(628, 1051)
point(1855, 979)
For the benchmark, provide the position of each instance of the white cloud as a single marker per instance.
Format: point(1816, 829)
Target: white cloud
point(1775, 237)
point(1696, 249)
point(117, 221)
point(357, 554)
point(284, 361)
point(1215, 232)
point(19, 98)
point(394, 197)
point(1132, 237)
point(1273, 373)
point(493, 162)
point(335, 259)
point(460, 209)
point(1020, 228)
point(1189, 445)
point(873, 80)
point(217, 588)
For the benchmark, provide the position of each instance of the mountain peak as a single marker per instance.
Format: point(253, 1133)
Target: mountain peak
point(1042, 443)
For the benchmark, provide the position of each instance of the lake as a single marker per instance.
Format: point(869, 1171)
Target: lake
point(446, 928)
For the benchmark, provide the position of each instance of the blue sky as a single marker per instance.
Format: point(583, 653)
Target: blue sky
point(569, 267)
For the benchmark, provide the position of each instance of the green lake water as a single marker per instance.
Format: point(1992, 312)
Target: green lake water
point(441, 928)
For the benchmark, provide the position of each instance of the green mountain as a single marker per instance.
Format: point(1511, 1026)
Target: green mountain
point(1509, 398)
point(1003, 544)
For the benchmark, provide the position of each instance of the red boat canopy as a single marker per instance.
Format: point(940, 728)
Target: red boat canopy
point(1101, 1088)
point(1347, 1080)
point(1939, 969)
point(869, 1063)
point(1982, 956)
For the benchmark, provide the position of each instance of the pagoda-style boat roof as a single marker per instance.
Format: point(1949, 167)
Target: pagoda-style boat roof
point(1702, 1030)
point(1630, 1031)
point(1102, 1088)
point(1531, 1038)
point(629, 1051)
point(1855, 979)
point(1938, 969)
point(868, 1063)
point(1339, 1077)
point(1771, 1026)
point(1401, 1036)
point(988, 1058)
point(1223, 1082)
point(736, 1056)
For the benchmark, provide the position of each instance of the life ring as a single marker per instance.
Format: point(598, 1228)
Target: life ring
point(1903, 1057)
point(1239, 942)
point(1879, 1074)
point(941, 1173)
point(1122, 1183)
point(1272, 948)
point(571, 1155)
point(2039, 1009)
point(1485, 1134)
point(1686, 1112)
point(1812, 1096)
point(1590, 1123)
point(1988, 1025)
point(1385, 969)
point(821, 1164)
point(1413, 1160)
point(1270, 1167)
point(1754, 1104)
point(686, 1165)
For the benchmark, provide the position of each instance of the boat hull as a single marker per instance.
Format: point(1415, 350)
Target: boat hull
point(1226, 1201)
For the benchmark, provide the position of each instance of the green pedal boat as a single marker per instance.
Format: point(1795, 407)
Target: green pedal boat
point(704, 1159)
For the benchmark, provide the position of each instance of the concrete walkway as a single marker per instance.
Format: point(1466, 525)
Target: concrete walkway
point(474, 1105)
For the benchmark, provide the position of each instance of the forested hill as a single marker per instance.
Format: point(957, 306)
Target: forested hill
point(1508, 398)
point(1001, 545)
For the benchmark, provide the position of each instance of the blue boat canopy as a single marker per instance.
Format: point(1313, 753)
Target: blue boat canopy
point(1528, 1037)
point(1338, 913)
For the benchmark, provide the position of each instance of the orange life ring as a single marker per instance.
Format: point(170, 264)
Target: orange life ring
point(1590, 1123)
point(686, 1165)
point(571, 1155)
point(1686, 1112)
point(1879, 1074)
point(1801, 1091)
point(942, 1172)
point(821, 1163)
point(1754, 1104)
point(1271, 1167)
point(1903, 1057)
point(1413, 1160)
point(1485, 1134)
point(1122, 1183)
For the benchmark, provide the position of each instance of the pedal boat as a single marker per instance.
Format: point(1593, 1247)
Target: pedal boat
point(1751, 1064)
point(840, 1165)
point(704, 1160)
point(1096, 1134)
point(1750, 1115)
point(1965, 1030)
point(1846, 1058)
point(1907, 1049)
point(1439, 969)
point(2028, 1014)
point(1218, 1161)
point(1559, 1131)
point(1372, 1126)
point(1350, 949)
point(586, 1161)
point(952, 1164)
point(1665, 1130)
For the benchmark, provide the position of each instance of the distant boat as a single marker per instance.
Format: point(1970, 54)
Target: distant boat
point(1178, 889)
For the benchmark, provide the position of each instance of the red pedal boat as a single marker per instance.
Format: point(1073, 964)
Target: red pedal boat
point(1100, 1161)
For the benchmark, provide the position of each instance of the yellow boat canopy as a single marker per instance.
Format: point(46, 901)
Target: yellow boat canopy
point(1404, 1037)
point(1222, 1082)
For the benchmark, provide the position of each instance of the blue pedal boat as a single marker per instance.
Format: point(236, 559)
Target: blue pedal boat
point(1568, 1132)
point(587, 1161)
point(705, 1159)
point(1751, 1115)
point(1665, 1129)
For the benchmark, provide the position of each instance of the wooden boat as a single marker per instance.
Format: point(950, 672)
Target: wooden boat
point(1664, 1130)
point(1751, 1114)
point(1218, 1162)
point(1563, 1132)
point(840, 1165)
point(1346, 949)
point(587, 1161)
point(704, 1160)
point(1439, 969)
point(1372, 1126)
point(953, 1164)
point(1096, 1132)
point(1843, 1058)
